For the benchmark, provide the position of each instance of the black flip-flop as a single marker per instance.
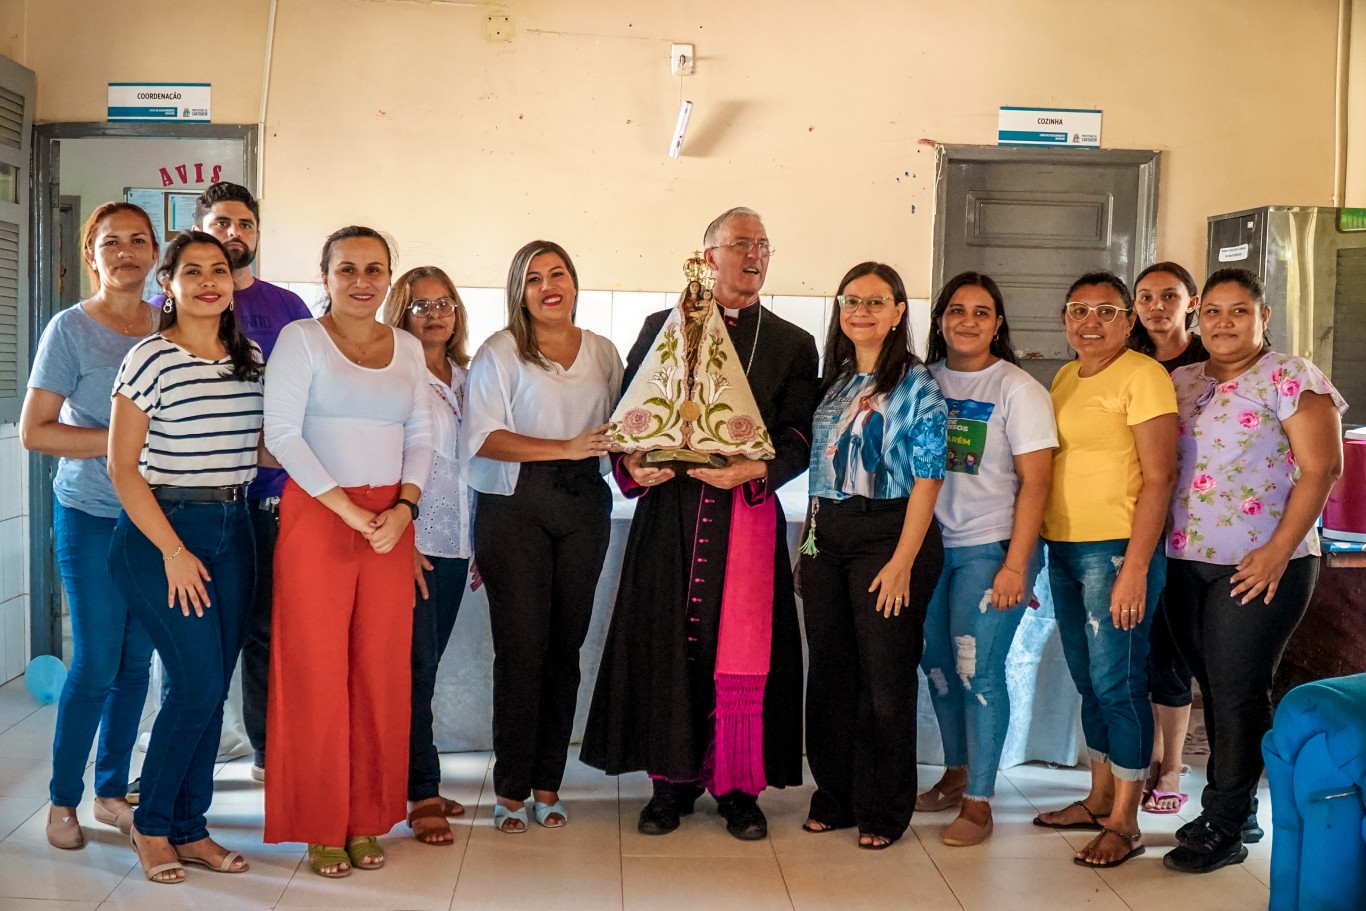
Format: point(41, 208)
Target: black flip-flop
point(1093, 826)
point(822, 827)
point(887, 841)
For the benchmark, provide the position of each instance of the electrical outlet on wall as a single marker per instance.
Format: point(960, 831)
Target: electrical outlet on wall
point(681, 59)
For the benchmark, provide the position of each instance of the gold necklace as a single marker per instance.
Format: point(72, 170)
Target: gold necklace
point(128, 326)
point(361, 348)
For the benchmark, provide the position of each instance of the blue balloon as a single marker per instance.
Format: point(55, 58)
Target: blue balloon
point(44, 678)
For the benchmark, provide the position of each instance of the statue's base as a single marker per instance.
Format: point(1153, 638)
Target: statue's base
point(682, 459)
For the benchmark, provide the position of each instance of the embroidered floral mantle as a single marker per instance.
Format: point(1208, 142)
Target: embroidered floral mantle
point(696, 399)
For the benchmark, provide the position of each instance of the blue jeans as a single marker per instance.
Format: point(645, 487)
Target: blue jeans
point(110, 662)
point(1109, 665)
point(967, 638)
point(433, 620)
point(199, 654)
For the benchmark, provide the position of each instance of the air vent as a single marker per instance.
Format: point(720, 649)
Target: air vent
point(11, 119)
point(9, 309)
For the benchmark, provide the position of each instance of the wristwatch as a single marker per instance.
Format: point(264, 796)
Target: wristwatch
point(412, 507)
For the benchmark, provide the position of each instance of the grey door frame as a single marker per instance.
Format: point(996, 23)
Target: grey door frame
point(45, 634)
point(1146, 162)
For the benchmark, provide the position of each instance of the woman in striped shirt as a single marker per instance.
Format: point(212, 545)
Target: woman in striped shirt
point(182, 447)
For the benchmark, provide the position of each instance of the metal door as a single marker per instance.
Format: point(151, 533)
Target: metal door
point(1036, 219)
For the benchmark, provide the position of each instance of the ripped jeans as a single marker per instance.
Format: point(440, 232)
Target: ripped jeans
point(1109, 665)
point(966, 643)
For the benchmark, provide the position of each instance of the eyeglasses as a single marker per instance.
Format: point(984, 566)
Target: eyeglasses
point(873, 305)
point(1106, 313)
point(424, 307)
point(743, 246)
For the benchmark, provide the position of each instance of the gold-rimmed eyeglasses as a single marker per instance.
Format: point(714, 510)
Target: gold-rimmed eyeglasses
point(438, 307)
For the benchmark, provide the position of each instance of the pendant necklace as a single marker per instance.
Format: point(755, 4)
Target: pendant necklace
point(128, 326)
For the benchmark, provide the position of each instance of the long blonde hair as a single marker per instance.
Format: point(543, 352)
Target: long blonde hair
point(395, 311)
point(519, 318)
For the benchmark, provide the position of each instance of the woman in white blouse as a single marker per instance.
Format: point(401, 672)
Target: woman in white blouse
point(540, 393)
point(347, 416)
point(424, 302)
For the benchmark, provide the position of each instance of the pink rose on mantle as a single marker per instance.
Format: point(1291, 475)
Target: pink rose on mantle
point(636, 421)
point(1249, 420)
point(1290, 388)
point(1230, 386)
point(1202, 483)
point(1277, 375)
point(1251, 507)
point(741, 428)
point(1178, 540)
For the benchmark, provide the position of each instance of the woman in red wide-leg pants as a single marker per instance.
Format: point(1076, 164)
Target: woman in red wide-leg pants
point(347, 415)
point(340, 695)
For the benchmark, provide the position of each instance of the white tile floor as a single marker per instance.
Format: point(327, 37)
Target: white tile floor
point(599, 861)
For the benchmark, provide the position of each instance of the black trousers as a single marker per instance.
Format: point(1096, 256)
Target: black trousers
point(433, 620)
point(265, 523)
point(1234, 650)
point(861, 687)
point(540, 551)
point(1169, 677)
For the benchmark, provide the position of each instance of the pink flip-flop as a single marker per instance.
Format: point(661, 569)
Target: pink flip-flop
point(1151, 804)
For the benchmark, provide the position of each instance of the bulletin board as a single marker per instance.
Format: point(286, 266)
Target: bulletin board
point(171, 212)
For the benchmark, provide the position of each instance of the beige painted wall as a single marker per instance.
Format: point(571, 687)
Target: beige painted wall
point(403, 115)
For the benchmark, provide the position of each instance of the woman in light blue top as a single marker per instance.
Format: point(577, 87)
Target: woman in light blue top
point(66, 414)
point(870, 560)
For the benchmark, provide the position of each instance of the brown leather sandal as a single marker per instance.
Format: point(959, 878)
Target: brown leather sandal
point(430, 819)
point(1134, 843)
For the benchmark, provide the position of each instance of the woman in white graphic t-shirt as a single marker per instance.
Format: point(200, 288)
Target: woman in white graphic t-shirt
point(1001, 427)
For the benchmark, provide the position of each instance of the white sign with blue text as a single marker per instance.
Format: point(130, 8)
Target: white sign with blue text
point(184, 102)
point(1048, 127)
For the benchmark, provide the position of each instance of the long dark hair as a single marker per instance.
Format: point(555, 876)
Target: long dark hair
point(246, 364)
point(938, 348)
point(1139, 338)
point(896, 358)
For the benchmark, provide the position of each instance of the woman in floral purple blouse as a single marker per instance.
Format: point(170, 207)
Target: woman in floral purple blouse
point(1259, 447)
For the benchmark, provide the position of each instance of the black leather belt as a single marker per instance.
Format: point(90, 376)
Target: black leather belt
point(173, 494)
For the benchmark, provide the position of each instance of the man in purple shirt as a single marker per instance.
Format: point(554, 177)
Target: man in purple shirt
point(230, 213)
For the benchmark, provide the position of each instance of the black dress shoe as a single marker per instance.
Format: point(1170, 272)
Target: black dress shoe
point(1205, 848)
point(1252, 830)
point(744, 819)
point(661, 816)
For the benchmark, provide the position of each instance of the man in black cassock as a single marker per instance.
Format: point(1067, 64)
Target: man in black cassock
point(701, 683)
